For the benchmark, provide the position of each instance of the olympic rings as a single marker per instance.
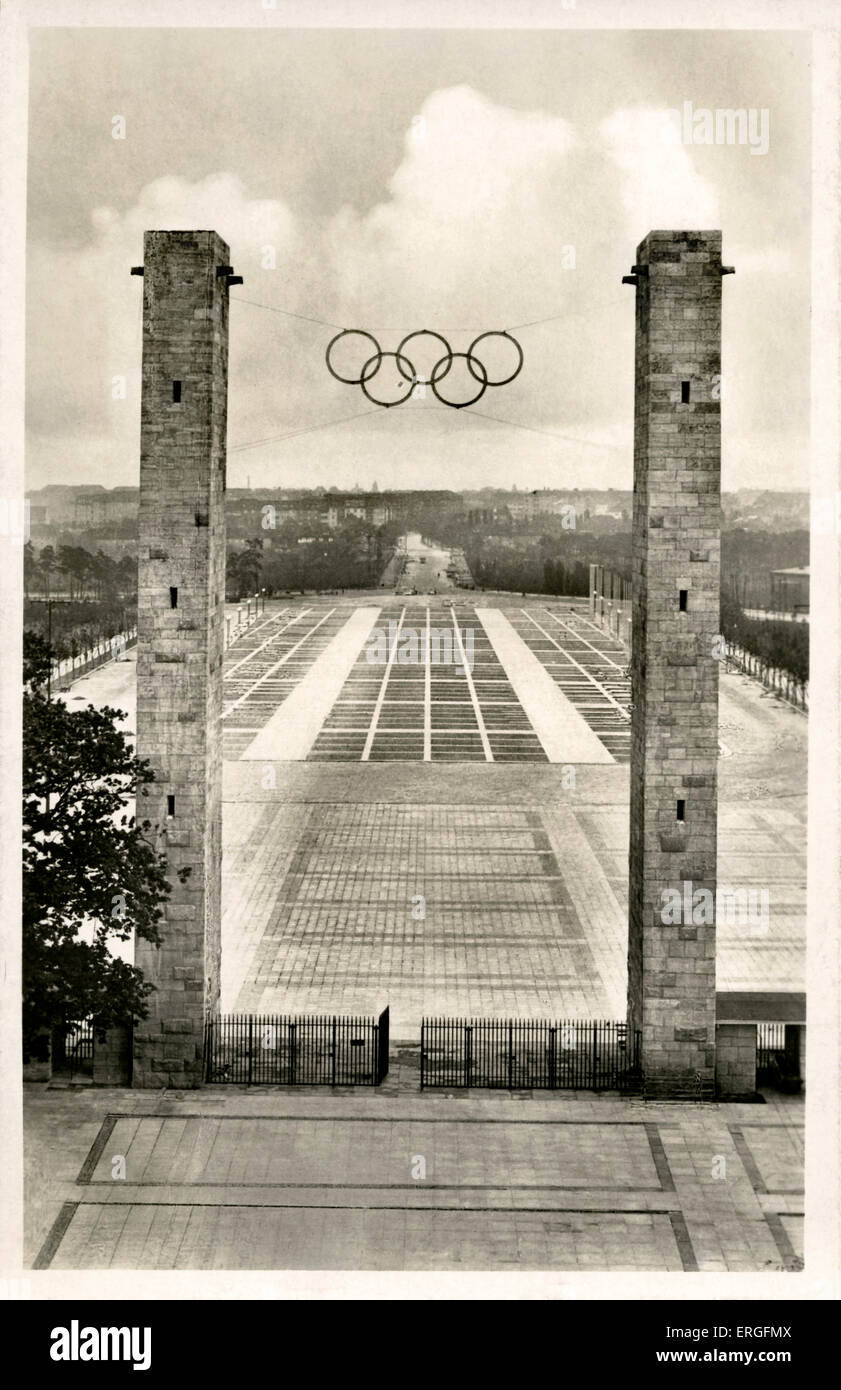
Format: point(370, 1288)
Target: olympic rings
point(496, 333)
point(459, 405)
point(379, 358)
point(346, 332)
point(428, 333)
point(409, 373)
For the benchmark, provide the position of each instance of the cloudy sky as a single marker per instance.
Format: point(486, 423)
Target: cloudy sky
point(408, 180)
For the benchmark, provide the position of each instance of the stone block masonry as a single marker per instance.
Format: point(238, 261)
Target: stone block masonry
point(735, 1061)
point(181, 600)
point(674, 687)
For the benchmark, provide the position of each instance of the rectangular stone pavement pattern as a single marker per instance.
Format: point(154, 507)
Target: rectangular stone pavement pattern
point(761, 842)
point(431, 909)
point(562, 731)
point(213, 1237)
point(524, 904)
point(426, 711)
point(293, 728)
point(371, 1154)
point(282, 1180)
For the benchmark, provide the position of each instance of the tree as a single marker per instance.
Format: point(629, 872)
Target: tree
point(244, 567)
point(87, 864)
point(47, 564)
point(30, 568)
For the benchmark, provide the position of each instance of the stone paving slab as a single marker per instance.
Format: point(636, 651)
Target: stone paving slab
point(294, 726)
point(360, 1152)
point(208, 1237)
point(440, 909)
point(232, 1178)
point(494, 897)
point(564, 733)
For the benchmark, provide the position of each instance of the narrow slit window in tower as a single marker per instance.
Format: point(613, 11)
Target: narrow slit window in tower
point(681, 810)
point(176, 391)
point(170, 806)
point(173, 596)
point(684, 594)
point(684, 393)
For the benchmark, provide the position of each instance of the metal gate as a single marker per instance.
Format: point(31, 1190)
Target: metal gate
point(526, 1054)
point(777, 1056)
point(299, 1050)
point(72, 1051)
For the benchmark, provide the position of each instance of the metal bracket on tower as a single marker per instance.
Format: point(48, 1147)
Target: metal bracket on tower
point(228, 272)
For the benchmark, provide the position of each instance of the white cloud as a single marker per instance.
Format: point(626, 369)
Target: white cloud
point(471, 235)
point(660, 186)
point(472, 219)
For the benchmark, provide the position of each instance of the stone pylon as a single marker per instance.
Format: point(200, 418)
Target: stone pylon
point(675, 666)
point(180, 626)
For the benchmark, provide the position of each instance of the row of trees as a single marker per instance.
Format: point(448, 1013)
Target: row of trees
point(75, 627)
point(350, 557)
point(544, 564)
point(75, 599)
point(75, 573)
point(537, 567)
point(778, 645)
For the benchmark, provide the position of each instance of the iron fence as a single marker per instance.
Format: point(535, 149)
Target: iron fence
point(525, 1054)
point(300, 1050)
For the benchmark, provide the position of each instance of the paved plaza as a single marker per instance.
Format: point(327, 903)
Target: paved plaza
point(454, 681)
point(480, 868)
point(400, 1179)
point(496, 680)
point(444, 842)
point(483, 877)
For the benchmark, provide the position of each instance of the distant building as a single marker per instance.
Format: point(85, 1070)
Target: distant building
point(790, 590)
point(100, 508)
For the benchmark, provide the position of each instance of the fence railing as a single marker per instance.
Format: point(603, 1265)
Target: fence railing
point(778, 1056)
point(300, 1050)
point(515, 1054)
point(770, 1046)
point(70, 668)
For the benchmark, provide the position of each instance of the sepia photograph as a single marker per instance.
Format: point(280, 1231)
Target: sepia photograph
point(421, 608)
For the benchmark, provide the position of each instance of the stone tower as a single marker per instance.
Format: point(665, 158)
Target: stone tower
point(674, 690)
point(180, 624)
